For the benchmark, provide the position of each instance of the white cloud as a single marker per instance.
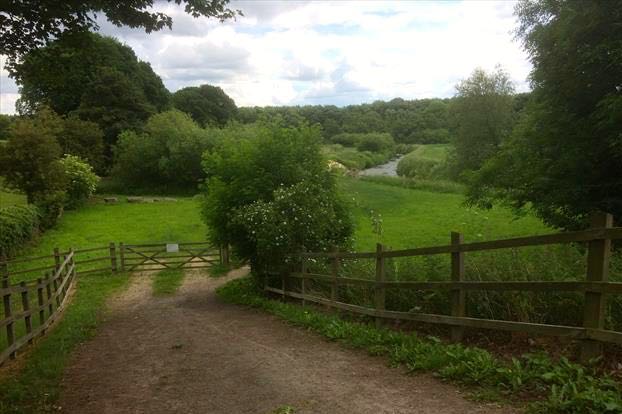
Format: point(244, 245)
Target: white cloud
point(297, 52)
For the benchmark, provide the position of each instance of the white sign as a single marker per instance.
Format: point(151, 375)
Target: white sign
point(172, 248)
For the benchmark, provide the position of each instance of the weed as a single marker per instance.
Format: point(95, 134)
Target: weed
point(563, 387)
point(166, 282)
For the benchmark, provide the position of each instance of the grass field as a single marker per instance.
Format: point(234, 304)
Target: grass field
point(436, 152)
point(414, 218)
point(98, 224)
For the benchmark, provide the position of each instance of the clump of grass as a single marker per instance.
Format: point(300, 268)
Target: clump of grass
point(436, 186)
point(557, 386)
point(284, 409)
point(166, 282)
point(219, 270)
point(36, 387)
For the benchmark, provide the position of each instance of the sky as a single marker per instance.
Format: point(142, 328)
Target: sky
point(327, 52)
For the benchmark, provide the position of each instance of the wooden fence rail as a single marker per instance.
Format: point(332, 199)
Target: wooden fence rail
point(51, 298)
point(33, 303)
point(595, 287)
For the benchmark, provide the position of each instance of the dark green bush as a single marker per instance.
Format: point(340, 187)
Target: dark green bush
point(167, 152)
point(346, 139)
point(375, 142)
point(18, 225)
point(51, 206)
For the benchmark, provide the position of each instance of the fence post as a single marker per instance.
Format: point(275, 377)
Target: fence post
point(6, 299)
point(284, 283)
point(40, 303)
point(334, 270)
point(48, 291)
point(458, 296)
point(122, 256)
point(113, 257)
point(303, 272)
point(226, 251)
point(56, 260)
point(26, 309)
point(380, 291)
point(599, 252)
point(4, 268)
point(55, 287)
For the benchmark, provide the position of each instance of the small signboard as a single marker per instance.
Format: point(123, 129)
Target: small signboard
point(172, 248)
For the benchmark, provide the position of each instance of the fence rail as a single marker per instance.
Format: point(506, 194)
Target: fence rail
point(595, 287)
point(51, 299)
point(30, 306)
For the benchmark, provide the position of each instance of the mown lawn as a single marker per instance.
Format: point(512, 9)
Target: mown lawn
point(98, 224)
point(414, 218)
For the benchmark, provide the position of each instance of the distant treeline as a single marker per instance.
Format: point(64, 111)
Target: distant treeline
point(419, 121)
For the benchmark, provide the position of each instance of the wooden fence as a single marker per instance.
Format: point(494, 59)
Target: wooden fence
point(51, 299)
point(595, 287)
point(34, 289)
point(150, 257)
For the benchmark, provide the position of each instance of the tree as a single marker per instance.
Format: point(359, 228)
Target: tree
point(115, 103)
point(29, 160)
point(206, 104)
point(483, 115)
point(28, 24)
point(565, 156)
point(83, 139)
point(5, 126)
point(95, 77)
point(167, 152)
point(250, 180)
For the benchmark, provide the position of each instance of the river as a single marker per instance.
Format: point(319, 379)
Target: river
point(389, 169)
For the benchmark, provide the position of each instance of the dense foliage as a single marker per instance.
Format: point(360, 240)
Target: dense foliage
point(29, 160)
point(278, 174)
point(18, 225)
point(206, 104)
point(167, 152)
point(95, 77)
point(28, 24)
point(408, 121)
point(83, 139)
point(81, 181)
point(564, 159)
point(483, 114)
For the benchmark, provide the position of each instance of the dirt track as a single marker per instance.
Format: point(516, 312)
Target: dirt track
point(191, 353)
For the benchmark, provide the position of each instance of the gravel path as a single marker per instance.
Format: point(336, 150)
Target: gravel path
point(191, 353)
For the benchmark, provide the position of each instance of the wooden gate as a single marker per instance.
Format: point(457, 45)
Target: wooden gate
point(151, 257)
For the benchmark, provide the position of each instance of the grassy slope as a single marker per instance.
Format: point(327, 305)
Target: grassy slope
point(37, 386)
point(437, 152)
point(9, 199)
point(413, 218)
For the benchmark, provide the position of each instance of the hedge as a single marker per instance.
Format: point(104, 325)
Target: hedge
point(18, 225)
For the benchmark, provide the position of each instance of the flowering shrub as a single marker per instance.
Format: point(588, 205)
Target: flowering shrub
point(303, 215)
point(81, 181)
point(272, 194)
